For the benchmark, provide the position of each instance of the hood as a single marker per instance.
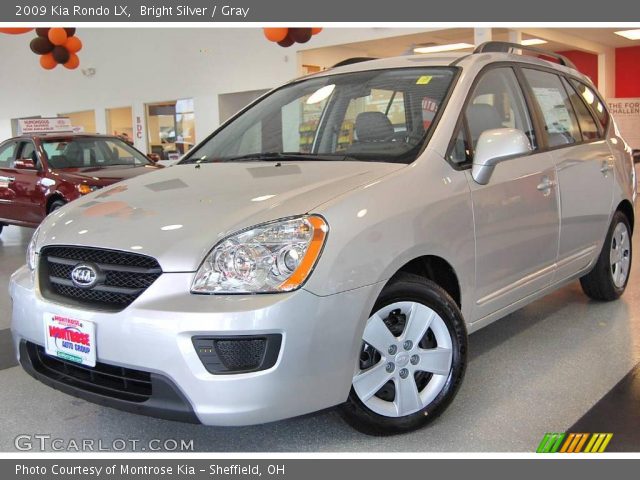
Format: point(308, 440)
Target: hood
point(178, 214)
point(103, 175)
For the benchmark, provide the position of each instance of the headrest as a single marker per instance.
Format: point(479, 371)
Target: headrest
point(373, 127)
point(482, 117)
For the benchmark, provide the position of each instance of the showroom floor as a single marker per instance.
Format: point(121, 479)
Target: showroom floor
point(539, 370)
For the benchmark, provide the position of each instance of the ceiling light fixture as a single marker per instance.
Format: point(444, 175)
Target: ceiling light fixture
point(630, 34)
point(442, 48)
point(533, 41)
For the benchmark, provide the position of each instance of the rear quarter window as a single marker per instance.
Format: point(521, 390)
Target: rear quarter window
point(593, 100)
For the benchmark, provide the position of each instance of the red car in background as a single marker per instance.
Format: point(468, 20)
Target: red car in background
point(40, 173)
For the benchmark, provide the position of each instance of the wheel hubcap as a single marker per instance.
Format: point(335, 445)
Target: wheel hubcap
point(620, 255)
point(421, 359)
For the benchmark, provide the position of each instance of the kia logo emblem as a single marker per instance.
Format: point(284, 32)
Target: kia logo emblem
point(84, 275)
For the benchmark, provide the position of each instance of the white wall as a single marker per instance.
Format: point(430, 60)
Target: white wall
point(135, 66)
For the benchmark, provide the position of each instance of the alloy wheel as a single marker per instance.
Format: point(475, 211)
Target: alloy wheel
point(619, 255)
point(405, 359)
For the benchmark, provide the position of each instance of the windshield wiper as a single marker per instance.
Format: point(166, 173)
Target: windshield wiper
point(271, 156)
point(274, 156)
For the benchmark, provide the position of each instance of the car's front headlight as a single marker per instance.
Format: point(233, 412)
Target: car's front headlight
point(32, 255)
point(268, 258)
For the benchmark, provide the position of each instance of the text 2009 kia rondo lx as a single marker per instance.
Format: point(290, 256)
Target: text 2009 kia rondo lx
point(333, 244)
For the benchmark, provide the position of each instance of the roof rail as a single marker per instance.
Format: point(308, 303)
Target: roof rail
point(507, 47)
point(352, 60)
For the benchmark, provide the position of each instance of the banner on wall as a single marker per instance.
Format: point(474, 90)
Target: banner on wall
point(44, 125)
point(626, 112)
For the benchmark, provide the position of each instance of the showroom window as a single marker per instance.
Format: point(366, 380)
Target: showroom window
point(497, 102)
point(84, 121)
point(560, 122)
point(7, 153)
point(120, 123)
point(588, 125)
point(300, 120)
point(171, 128)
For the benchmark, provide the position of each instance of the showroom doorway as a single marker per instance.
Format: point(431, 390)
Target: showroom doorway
point(120, 123)
point(171, 128)
point(84, 121)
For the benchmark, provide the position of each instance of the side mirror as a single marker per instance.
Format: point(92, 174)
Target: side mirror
point(24, 164)
point(495, 146)
point(636, 156)
point(154, 157)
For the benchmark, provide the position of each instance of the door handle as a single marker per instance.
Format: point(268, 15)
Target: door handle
point(545, 185)
point(606, 167)
point(7, 179)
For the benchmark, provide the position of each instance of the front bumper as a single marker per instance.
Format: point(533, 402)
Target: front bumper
point(321, 338)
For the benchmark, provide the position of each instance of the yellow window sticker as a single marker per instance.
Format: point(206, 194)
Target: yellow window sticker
point(424, 79)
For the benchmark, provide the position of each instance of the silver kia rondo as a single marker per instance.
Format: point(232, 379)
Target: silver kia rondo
point(333, 244)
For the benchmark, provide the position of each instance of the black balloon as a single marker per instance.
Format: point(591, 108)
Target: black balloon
point(42, 32)
point(70, 32)
point(300, 35)
point(288, 41)
point(41, 46)
point(60, 54)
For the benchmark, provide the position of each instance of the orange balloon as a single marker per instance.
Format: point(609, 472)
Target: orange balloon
point(315, 31)
point(73, 62)
point(73, 44)
point(47, 61)
point(15, 31)
point(57, 36)
point(276, 34)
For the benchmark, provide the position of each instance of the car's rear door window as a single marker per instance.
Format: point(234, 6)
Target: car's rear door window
point(560, 123)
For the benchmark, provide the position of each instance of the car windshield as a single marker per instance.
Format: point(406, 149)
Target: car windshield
point(378, 115)
point(81, 152)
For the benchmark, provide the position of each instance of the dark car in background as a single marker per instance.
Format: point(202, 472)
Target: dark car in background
point(40, 173)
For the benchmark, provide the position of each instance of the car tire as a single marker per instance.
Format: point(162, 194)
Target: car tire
point(402, 309)
point(610, 275)
point(1, 227)
point(55, 205)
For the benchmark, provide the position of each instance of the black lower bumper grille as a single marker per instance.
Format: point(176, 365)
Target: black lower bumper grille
point(238, 354)
point(122, 276)
point(109, 380)
point(122, 388)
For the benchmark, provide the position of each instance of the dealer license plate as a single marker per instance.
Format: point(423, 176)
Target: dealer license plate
point(70, 339)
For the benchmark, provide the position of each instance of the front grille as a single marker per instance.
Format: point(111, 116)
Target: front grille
point(104, 379)
point(124, 276)
point(237, 354)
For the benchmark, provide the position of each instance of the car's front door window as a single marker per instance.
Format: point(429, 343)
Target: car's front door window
point(497, 102)
point(28, 152)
